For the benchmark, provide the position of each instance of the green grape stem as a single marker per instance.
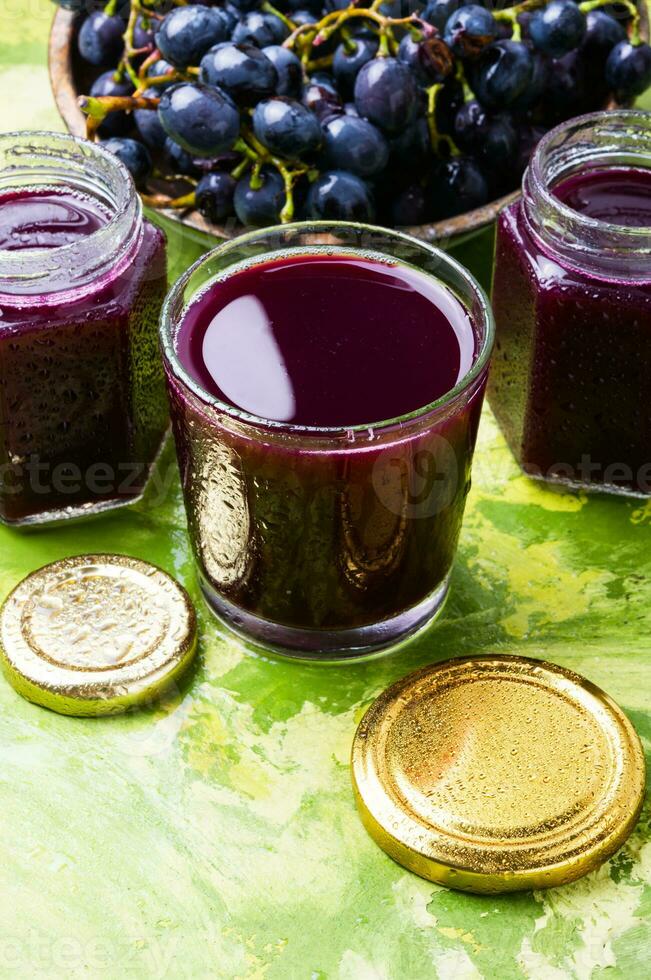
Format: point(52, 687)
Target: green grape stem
point(241, 168)
point(435, 137)
point(97, 109)
point(184, 203)
point(258, 154)
point(270, 9)
point(145, 66)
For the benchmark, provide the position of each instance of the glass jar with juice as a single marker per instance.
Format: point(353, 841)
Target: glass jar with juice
point(82, 279)
point(571, 377)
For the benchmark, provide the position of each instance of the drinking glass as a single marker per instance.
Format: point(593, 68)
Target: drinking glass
point(325, 543)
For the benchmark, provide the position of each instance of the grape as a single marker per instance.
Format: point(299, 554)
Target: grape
point(355, 145)
point(322, 98)
point(158, 69)
point(558, 28)
point(498, 150)
point(528, 139)
point(458, 185)
point(260, 29)
point(410, 206)
point(469, 30)
point(567, 92)
point(260, 206)
point(471, 125)
point(116, 123)
point(215, 196)
point(410, 149)
point(133, 155)
point(100, 39)
point(148, 124)
point(287, 128)
point(144, 34)
point(438, 12)
point(231, 14)
point(386, 94)
point(242, 70)
point(429, 59)
point(340, 196)
point(325, 80)
point(535, 90)
point(301, 17)
point(288, 69)
point(628, 70)
point(188, 32)
point(399, 8)
point(314, 7)
point(448, 102)
point(179, 159)
point(201, 119)
point(501, 74)
point(346, 64)
point(357, 136)
point(602, 33)
point(245, 6)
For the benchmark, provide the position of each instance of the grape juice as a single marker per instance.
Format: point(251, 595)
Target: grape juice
point(327, 342)
point(47, 218)
point(571, 377)
point(317, 510)
point(82, 400)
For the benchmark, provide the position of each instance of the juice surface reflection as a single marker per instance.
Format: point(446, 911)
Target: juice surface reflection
point(327, 341)
point(48, 218)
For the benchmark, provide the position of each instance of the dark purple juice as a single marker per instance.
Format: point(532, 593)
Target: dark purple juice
point(617, 195)
point(47, 218)
point(331, 537)
point(82, 406)
point(327, 342)
point(571, 376)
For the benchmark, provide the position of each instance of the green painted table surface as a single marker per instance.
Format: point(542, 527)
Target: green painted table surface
point(215, 834)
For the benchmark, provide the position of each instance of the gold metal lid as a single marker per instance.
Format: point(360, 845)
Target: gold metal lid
point(497, 773)
point(96, 634)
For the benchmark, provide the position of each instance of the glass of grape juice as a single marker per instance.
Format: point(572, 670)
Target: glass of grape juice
point(326, 382)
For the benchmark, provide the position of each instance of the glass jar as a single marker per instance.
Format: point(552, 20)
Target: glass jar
point(83, 410)
point(325, 543)
point(570, 382)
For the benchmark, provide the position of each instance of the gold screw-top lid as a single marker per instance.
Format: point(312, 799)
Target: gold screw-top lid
point(497, 773)
point(96, 634)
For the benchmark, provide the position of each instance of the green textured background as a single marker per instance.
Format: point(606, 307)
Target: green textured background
point(215, 835)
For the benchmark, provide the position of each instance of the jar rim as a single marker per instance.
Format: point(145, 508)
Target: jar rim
point(257, 424)
point(599, 140)
point(32, 272)
point(613, 116)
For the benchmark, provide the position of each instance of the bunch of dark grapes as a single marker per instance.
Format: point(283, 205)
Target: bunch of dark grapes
point(376, 110)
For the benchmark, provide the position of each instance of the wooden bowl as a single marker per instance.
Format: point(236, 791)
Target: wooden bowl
point(70, 77)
